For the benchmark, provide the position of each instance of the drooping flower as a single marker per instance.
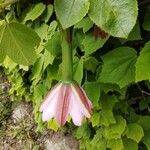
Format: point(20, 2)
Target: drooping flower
point(66, 99)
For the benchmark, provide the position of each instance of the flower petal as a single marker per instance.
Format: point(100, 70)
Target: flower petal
point(75, 111)
point(50, 96)
point(63, 104)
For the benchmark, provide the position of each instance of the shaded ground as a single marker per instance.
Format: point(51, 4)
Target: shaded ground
point(18, 129)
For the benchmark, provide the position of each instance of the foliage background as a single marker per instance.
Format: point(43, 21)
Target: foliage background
point(111, 55)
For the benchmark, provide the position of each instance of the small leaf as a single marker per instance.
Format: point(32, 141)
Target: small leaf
point(52, 124)
point(85, 24)
point(95, 119)
point(135, 132)
point(129, 144)
point(143, 121)
point(18, 42)
point(115, 144)
point(35, 12)
point(90, 44)
point(70, 12)
point(119, 66)
point(146, 139)
point(142, 64)
point(93, 92)
point(78, 70)
point(115, 131)
point(111, 16)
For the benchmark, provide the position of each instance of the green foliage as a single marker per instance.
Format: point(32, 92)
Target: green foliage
point(114, 72)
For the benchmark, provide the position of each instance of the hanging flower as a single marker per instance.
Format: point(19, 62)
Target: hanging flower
point(66, 99)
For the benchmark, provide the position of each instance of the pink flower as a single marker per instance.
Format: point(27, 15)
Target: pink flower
point(66, 99)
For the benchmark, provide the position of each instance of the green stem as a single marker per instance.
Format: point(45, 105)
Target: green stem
point(67, 64)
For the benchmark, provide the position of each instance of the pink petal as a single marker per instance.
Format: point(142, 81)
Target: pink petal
point(50, 110)
point(50, 96)
point(75, 111)
point(63, 104)
point(83, 100)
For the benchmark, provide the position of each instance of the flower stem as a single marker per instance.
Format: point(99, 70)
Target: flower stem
point(67, 64)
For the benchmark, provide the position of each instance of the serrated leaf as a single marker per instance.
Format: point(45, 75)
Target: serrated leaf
point(119, 66)
point(98, 142)
point(84, 24)
point(35, 12)
point(78, 70)
point(115, 131)
point(70, 12)
point(53, 45)
point(115, 144)
point(106, 114)
point(83, 131)
point(93, 92)
point(143, 63)
point(18, 42)
point(111, 16)
point(135, 132)
point(129, 144)
point(90, 44)
point(146, 139)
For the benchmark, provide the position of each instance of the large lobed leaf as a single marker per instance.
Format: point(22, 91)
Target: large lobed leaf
point(117, 17)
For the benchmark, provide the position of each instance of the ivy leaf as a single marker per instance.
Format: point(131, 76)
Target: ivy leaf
point(78, 70)
point(115, 131)
point(93, 91)
point(35, 12)
point(119, 66)
point(19, 41)
point(70, 12)
point(135, 132)
point(142, 64)
point(129, 144)
point(90, 44)
point(111, 16)
point(146, 139)
point(115, 144)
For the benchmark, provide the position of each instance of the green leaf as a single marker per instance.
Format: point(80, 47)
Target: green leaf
point(143, 121)
point(52, 124)
point(78, 70)
point(83, 131)
point(115, 17)
point(49, 11)
point(35, 12)
point(146, 139)
point(93, 92)
point(146, 23)
point(95, 119)
point(84, 24)
point(70, 12)
point(115, 144)
point(98, 142)
point(143, 63)
point(115, 131)
point(19, 41)
point(119, 66)
point(90, 44)
point(53, 45)
point(135, 132)
point(2, 52)
point(90, 64)
point(129, 144)
point(106, 114)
